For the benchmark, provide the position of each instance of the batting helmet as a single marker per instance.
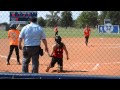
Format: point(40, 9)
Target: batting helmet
point(12, 26)
point(58, 39)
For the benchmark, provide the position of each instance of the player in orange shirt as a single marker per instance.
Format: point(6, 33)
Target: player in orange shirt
point(87, 34)
point(57, 54)
point(56, 30)
point(13, 35)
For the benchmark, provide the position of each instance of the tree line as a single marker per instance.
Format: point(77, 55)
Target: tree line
point(92, 18)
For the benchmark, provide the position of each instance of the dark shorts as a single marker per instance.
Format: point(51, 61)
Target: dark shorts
point(86, 37)
point(54, 60)
point(56, 33)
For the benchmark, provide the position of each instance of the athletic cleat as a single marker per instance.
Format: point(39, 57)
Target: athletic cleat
point(18, 63)
point(61, 70)
point(58, 70)
point(7, 63)
point(47, 70)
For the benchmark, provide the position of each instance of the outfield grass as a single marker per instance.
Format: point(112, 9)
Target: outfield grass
point(69, 32)
point(3, 34)
point(76, 32)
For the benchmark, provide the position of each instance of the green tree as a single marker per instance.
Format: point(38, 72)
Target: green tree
point(66, 19)
point(102, 16)
point(41, 21)
point(87, 17)
point(114, 16)
point(52, 18)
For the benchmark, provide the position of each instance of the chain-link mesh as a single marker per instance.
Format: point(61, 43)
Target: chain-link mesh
point(99, 57)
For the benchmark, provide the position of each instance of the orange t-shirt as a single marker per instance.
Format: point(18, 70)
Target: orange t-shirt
point(55, 29)
point(13, 35)
point(86, 32)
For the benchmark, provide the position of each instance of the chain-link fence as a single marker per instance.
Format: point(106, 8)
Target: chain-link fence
point(100, 56)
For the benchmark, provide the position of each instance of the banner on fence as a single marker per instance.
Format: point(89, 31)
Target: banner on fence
point(108, 28)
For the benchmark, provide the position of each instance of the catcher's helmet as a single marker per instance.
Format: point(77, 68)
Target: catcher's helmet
point(13, 26)
point(58, 38)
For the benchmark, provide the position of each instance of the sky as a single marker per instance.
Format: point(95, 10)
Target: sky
point(4, 15)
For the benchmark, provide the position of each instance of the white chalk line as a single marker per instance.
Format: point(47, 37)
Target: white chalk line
point(73, 64)
point(99, 43)
point(82, 43)
point(105, 44)
point(16, 59)
point(100, 63)
point(99, 46)
point(94, 68)
point(6, 57)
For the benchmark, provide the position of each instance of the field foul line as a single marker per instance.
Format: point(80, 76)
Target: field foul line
point(6, 57)
point(91, 69)
point(110, 47)
point(16, 59)
point(99, 46)
point(95, 63)
point(94, 68)
point(73, 63)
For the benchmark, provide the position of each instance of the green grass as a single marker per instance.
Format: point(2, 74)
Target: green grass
point(69, 32)
point(3, 34)
point(76, 32)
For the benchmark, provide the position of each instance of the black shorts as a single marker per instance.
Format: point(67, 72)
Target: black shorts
point(54, 60)
point(86, 37)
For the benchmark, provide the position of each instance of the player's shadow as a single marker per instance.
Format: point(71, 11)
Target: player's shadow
point(67, 71)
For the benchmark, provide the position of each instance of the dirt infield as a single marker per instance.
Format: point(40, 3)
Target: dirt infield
point(100, 57)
